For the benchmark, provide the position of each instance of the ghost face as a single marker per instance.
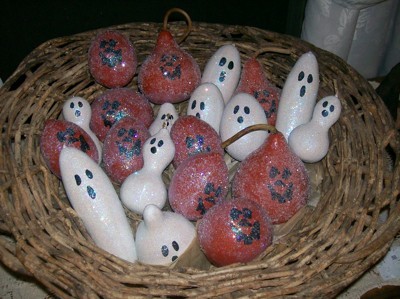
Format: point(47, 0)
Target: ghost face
point(77, 110)
point(327, 111)
point(303, 79)
point(242, 111)
point(299, 95)
point(223, 69)
point(207, 104)
point(163, 237)
point(166, 117)
point(158, 150)
point(95, 200)
point(84, 180)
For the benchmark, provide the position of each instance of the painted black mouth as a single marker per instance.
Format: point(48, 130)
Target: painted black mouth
point(222, 76)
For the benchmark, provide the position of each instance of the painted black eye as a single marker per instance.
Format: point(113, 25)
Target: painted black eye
point(78, 179)
point(202, 106)
point(247, 213)
point(273, 172)
point(324, 104)
point(152, 141)
point(175, 245)
point(132, 132)
point(230, 65)
point(193, 104)
point(246, 110)
point(236, 109)
point(89, 174)
point(160, 143)
point(163, 116)
point(310, 78)
point(235, 214)
point(164, 250)
point(301, 76)
point(222, 61)
point(332, 108)
point(80, 104)
point(72, 105)
point(286, 174)
point(121, 132)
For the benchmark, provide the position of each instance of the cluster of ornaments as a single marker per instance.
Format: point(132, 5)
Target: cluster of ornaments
point(117, 140)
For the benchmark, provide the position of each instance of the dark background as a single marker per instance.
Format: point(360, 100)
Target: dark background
point(24, 25)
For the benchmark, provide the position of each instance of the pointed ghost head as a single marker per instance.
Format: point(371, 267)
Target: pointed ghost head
point(207, 103)
point(158, 150)
point(162, 236)
point(223, 69)
point(77, 110)
point(166, 117)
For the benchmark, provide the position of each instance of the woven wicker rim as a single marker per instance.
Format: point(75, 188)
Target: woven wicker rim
point(332, 241)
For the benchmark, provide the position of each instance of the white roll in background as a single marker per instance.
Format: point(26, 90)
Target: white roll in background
point(365, 33)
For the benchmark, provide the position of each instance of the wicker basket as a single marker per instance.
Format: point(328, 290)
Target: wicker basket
point(344, 230)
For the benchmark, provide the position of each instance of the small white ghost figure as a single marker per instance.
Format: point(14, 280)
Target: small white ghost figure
point(166, 117)
point(310, 141)
point(79, 111)
point(299, 95)
point(162, 237)
point(95, 200)
point(223, 69)
point(146, 185)
point(207, 103)
point(242, 111)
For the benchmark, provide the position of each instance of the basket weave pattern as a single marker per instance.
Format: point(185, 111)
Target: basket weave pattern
point(330, 244)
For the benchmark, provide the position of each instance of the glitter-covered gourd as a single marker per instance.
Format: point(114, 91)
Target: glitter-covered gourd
point(242, 111)
point(78, 111)
point(112, 59)
point(299, 94)
point(274, 177)
point(223, 69)
point(207, 103)
point(234, 231)
point(146, 185)
point(163, 236)
point(95, 200)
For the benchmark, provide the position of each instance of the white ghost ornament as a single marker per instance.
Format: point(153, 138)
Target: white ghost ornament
point(207, 103)
point(78, 111)
point(223, 69)
point(242, 111)
point(162, 237)
point(310, 141)
point(166, 117)
point(299, 95)
point(146, 185)
point(95, 200)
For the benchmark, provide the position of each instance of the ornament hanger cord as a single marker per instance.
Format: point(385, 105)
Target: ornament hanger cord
point(257, 127)
point(187, 17)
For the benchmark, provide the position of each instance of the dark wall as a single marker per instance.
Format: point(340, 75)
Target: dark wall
point(26, 24)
